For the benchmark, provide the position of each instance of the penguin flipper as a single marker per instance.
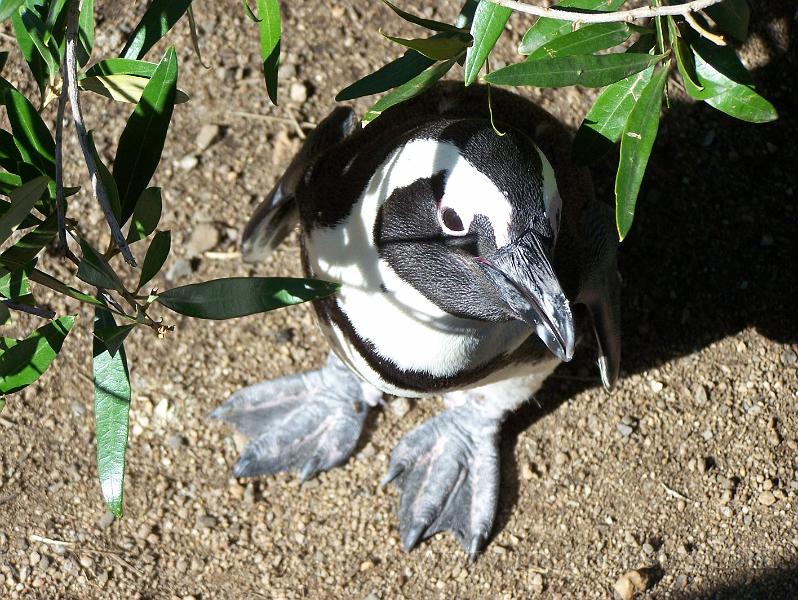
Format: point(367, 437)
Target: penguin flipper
point(447, 470)
point(278, 214)
point(601, 288)
point(309, 422)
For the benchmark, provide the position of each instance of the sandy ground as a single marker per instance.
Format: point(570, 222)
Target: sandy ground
point(689, 468)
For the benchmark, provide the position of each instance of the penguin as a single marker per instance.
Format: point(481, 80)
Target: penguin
point(472, 257)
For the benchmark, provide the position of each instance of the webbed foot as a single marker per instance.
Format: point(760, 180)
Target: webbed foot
point(447, 469)
point(309, 422)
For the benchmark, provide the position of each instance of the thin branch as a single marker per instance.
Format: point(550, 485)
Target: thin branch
point(608, 17)
point(712, 37)
point(60, 200)
point(70, 77)
point(31, 310)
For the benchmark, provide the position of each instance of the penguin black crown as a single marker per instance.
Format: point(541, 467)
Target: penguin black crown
point(460, 254)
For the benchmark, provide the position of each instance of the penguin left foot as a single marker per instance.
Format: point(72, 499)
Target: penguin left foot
point(447, 470)
point(309, 422)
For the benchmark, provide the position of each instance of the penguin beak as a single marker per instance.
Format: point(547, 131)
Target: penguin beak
point(525, 281)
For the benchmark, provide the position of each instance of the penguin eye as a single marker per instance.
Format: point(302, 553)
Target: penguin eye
point(452, 221)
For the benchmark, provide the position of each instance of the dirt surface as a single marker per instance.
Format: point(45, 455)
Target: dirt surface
point(690, 468)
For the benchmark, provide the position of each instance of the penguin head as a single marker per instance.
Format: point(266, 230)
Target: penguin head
point(470, 220)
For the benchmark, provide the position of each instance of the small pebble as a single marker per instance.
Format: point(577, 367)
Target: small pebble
point(560, 458)
point(631, 583)
point(204, 237)
point(648, 549)
point(175, 441)
point(700, 394)
point(624, 429)
point(789, 357)
point(366, 565)
point(206, 136)
point(179, 269)
point(400, 406)
point(681, 582)
point(656, 386)
point(298, 92)
point(767, 498)
point(187, 163)
point(206, 522)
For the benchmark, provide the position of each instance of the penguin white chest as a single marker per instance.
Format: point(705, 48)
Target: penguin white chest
point(395, 319)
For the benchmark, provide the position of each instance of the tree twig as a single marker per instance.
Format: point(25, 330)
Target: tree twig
point(607, 17)
point(60, 200)
point(712, 37)
point(31, 310)
point(70, 77)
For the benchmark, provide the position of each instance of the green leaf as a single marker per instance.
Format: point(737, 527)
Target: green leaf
point(415, 86)
point(47, 280)
point(242, 296)
point(9, 182)
point(586, 70)
point(111, 414)
point(122, 88)
point(94, 270)
point(14, 283)
point(428, 23)
point(33, 138)
point(107, 180)
point(684, 61)
point(394, 74)
point(603, 125)
point(142, 140)
point(544, 30)
point(9, 153)
point(38, 34)
point(269, 26)
point(441, 46)
point(123, 66)
point(155, 257)
point(160, 17)
point(26, 249)
point(114, 336)
point(585, 40)
point(22, 201)
point(85, 32)
point(8, 8)
point(195, 36)
point(486, 27)
point(29, 52)
point(146, 215)
point(636, 144)
point(732, 16)
point(741, 102)
point(252, 16)
point(23, 362)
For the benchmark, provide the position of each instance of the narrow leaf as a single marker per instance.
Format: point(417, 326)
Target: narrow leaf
point(394, 74)
point(146, 215)
point(270, 31)
point(26, 249)
point(195, 36)
point(111, 414)
point(51, 282)
point(585, 40)
point(603, 125)
point(252, 16)
point(113, 336)
point(33, 138)
point(636, 144)
point(85, 32)
point(123, 66)
point(408, 90)
point(14, 283)
point(9, 153)
point(732, 16)
point(107, 180)
point(122, 88)
point(544, 30)
point(5, 315)
point(9, 182)
point(586, 70)
point(25, 361)
point(36, 63)
point(8, 8)
point(156, 256)
point(441, 46)
point(741, 102)
point(416, 20)
point(38, 32)
point(684, 61)
point(486, 27)
point(94, 270)
point(22, 202)
point(242, 296)
point(160, 17)
point(142, 140)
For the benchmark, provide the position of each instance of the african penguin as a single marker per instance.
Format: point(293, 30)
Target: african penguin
point(462, 254)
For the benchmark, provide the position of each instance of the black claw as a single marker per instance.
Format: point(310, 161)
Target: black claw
point(393, 472)
point(411, 539)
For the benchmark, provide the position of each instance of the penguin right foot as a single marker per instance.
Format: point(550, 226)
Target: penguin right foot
point(310, 422)
point(447, 469)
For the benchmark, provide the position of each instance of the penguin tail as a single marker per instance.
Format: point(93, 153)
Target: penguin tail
point(278, 214)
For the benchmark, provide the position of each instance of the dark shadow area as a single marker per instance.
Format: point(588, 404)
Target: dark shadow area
point(773, 584)
point(712, 250)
